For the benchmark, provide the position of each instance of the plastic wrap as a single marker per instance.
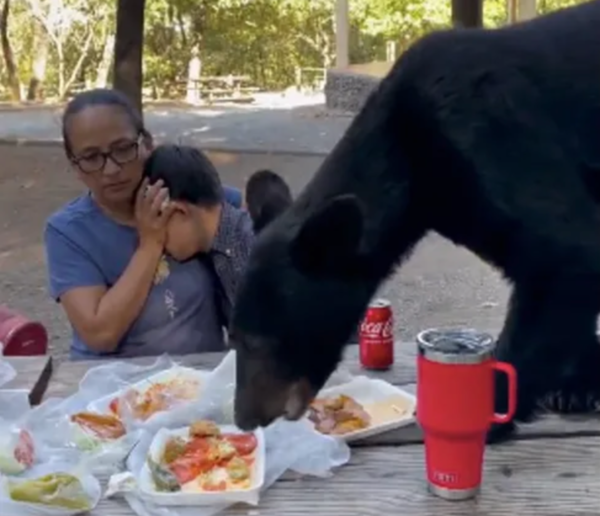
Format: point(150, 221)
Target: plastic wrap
point(18, 447)
point(292, 446)
point(7, 372)
point(62, 436)
point(60, 488)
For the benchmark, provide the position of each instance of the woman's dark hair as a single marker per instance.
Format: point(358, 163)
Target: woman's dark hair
point(188, 174)
point(101, 97)
point(267, 196)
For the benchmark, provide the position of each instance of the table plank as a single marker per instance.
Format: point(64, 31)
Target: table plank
point(33, 374)
point(545, 477)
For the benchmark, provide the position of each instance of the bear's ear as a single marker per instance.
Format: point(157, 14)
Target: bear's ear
point(327, 243)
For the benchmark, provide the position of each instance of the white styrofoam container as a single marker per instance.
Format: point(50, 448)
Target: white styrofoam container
point(102, 405)
point(369, 390)
point(249, 495)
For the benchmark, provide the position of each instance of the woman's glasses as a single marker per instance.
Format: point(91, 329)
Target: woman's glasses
point(120, 154)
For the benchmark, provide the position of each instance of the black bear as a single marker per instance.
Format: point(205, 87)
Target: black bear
point(267, 196)
point(491, 138)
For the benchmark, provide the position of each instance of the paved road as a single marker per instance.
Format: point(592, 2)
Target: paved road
point(277, 128)
point(440, 285)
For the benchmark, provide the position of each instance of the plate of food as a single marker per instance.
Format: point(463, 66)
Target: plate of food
point(361, 408)
point(157, 393)
point(204, 464)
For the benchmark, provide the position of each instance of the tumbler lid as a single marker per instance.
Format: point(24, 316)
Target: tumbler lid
point(455, 346)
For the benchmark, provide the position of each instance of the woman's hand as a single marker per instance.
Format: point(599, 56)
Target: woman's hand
point(152, 212)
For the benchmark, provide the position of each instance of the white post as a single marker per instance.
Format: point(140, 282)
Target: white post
point(511, 10)
point(527, 10)
point(193, 82)
point(342, 29)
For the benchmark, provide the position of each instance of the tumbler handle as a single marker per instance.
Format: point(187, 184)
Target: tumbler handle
point(510, 372)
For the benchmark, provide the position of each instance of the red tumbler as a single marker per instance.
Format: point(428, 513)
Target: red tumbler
point(455, 406)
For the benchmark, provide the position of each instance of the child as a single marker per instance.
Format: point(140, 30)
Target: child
point(267, 196)
point(203, 224)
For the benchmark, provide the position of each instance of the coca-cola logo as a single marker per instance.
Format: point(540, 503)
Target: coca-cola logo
point(383, 329)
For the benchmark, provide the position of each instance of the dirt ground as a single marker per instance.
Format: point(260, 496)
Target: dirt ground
point(35, 181)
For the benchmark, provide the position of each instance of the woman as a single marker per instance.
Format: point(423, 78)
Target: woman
point(104, 249)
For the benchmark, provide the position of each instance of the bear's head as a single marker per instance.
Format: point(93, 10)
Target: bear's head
point(303, 293)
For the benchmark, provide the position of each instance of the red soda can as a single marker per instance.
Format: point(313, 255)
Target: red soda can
point(376, 338)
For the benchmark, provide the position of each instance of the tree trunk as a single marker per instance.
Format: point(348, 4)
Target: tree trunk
point(9, 58)
point(467, 13)
point(129, 43)
point(106, 61)
point(60, 57)
point(41, 44)
point(67, 83)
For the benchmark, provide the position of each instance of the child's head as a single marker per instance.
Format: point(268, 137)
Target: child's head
point(267, 196)
point(195, 192)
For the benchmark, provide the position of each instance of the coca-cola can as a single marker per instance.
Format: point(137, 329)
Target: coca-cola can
point(376, 338)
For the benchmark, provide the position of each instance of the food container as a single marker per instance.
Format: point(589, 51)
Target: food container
point(250, 495)
point(102, 405)
point(389, 407)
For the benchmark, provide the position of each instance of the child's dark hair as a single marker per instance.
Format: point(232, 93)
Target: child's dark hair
point(267, 196)
point(101, 97)
point(188, 174)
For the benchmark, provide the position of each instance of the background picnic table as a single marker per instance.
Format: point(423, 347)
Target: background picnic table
point(552, 468)
point(222, 88)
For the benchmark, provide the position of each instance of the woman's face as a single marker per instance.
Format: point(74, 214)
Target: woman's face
point(107, 152)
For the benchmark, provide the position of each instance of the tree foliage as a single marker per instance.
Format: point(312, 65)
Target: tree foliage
point(59, 46)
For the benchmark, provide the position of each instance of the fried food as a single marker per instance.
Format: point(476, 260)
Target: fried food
point(204, 429)
point(100, 425)
point(338, 415)
point(174, 449)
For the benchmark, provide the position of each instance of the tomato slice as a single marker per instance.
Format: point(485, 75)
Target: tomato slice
point(244, 444)
point(196, 459)
point(186, 469)
point(114, 406)
point(25, 450)
point(200, 449)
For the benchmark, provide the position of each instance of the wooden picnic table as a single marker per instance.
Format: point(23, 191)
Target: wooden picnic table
point(552, 468)
point(223, 88)
point(33, 375)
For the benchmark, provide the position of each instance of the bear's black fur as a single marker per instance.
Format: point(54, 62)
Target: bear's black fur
point(490, 138)
point(267, 196)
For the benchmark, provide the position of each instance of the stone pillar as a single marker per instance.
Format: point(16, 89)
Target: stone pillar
point(342, 30)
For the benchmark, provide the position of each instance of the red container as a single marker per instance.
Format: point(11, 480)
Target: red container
point(376, 336)
point(455, 407)
point(19, 336)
